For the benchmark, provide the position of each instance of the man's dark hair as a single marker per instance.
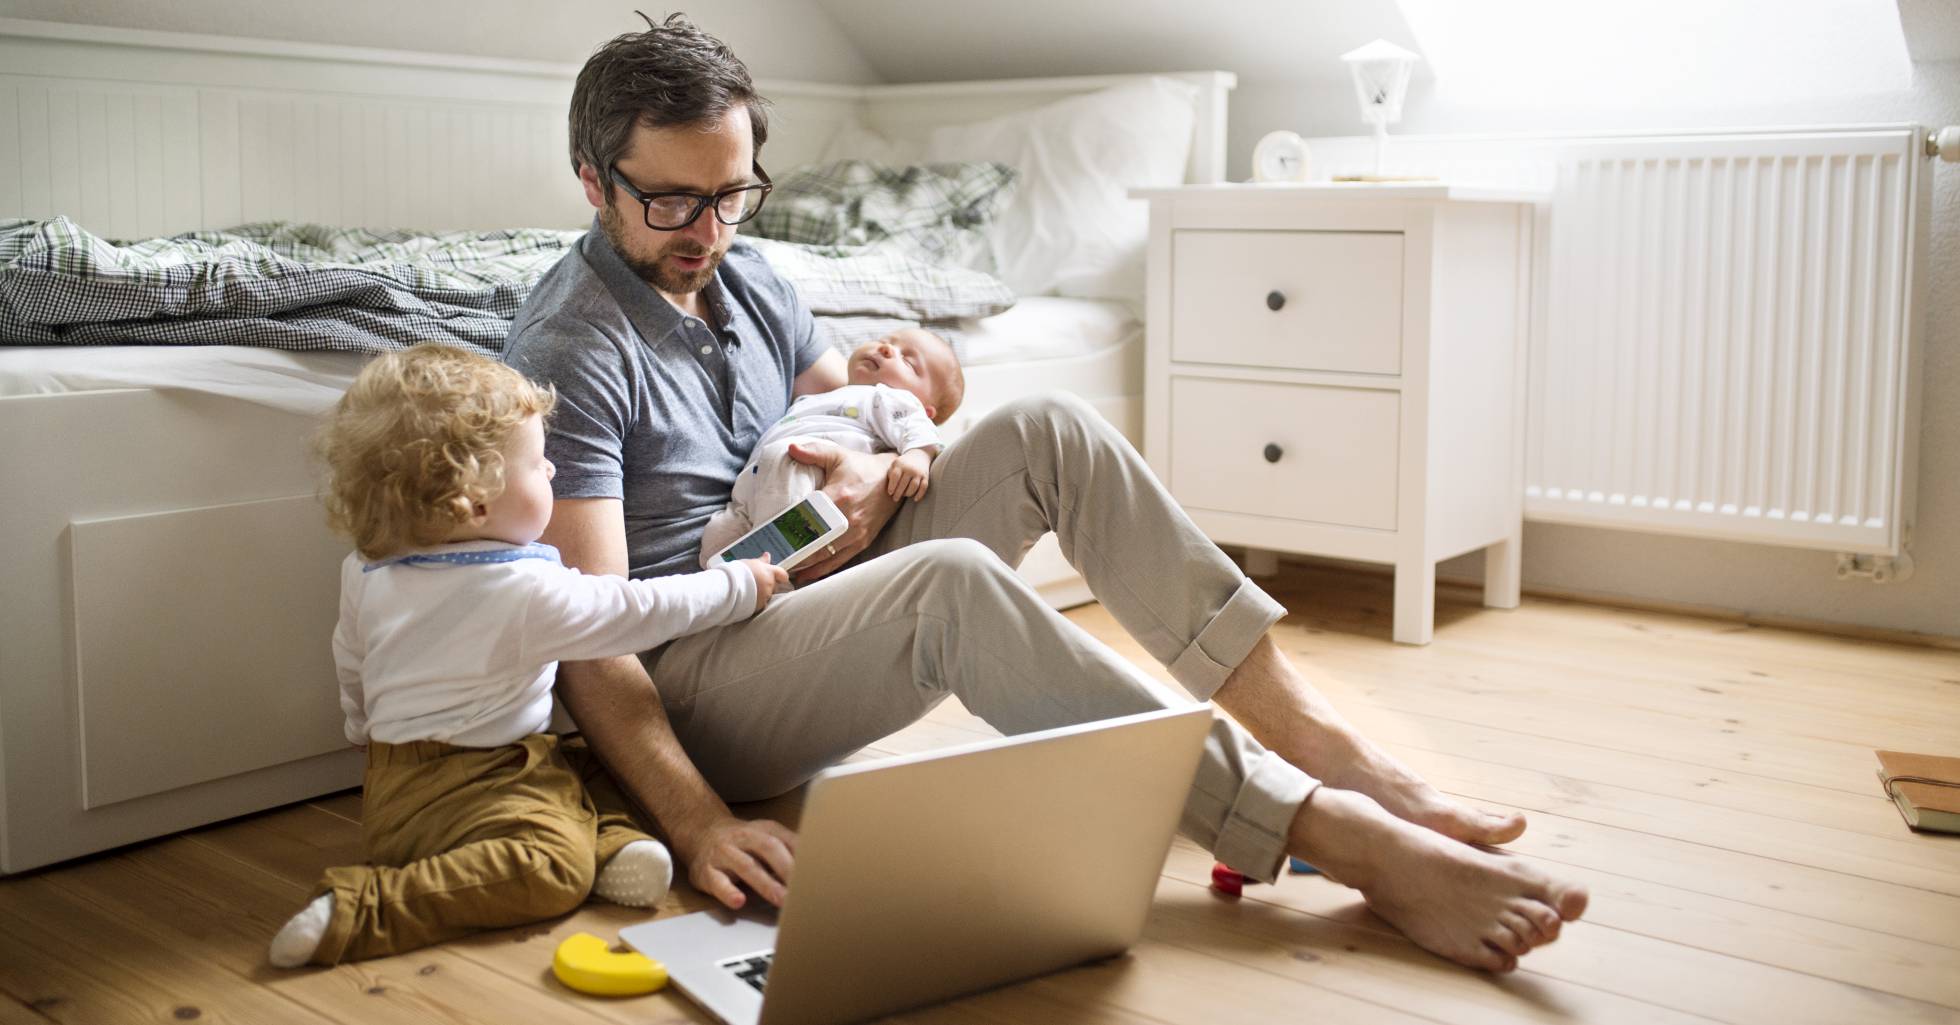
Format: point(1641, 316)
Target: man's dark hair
point(672, 74)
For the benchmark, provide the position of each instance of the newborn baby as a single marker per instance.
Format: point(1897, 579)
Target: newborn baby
point(902, 387)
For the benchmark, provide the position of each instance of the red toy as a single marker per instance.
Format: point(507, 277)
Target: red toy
point(1227, 880)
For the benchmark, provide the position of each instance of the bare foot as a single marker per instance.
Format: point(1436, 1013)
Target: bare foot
point(1288, 714)
point(1270, 697)
point(1472, 906)
point(1368, 769)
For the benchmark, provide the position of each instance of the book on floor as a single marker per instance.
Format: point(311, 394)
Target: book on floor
point(1925, 787)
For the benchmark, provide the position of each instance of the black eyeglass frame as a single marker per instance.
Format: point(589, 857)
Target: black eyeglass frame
point(701, 202)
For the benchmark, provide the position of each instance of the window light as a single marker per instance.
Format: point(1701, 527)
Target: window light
point(1658, 53)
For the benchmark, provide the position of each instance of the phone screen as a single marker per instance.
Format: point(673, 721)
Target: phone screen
point(781, 537)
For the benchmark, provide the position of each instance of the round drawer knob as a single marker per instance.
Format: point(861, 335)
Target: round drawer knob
point(1275, 300)
point(1273, 453)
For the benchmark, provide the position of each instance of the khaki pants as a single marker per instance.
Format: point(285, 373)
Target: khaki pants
point(934, 608)
point(462, 839)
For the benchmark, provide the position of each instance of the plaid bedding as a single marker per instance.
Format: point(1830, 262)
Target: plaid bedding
point(286, 286)
point(297, 286)
point(938, 213)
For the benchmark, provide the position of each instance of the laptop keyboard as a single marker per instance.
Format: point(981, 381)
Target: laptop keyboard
point(750, 968)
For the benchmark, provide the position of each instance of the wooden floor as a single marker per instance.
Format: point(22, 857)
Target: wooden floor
point(1712, 783)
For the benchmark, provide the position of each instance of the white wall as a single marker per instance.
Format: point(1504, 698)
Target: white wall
point(1759, 579)
point(1283, 51)
point(1286, 55)
point(788, 39)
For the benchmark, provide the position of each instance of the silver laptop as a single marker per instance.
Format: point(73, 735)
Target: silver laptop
point(927, 877)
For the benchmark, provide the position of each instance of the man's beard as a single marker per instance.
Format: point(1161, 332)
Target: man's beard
point(653, 272)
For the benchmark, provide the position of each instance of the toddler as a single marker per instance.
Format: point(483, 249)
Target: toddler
point(902, 386)
point(452, 622)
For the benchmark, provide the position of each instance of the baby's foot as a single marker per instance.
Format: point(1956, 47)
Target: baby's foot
point(300, 937)
point(638, 876)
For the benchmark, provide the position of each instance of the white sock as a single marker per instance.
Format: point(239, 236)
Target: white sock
point(638, 876)
point(300, 936)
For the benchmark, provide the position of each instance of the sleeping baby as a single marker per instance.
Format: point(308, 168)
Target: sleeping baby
point(902, 386)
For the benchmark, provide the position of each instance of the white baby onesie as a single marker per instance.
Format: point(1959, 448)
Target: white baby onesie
point(860, 417)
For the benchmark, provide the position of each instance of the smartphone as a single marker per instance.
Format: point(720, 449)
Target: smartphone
point(791, 536)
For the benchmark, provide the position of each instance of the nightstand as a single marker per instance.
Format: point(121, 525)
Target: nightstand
point(1338, 370)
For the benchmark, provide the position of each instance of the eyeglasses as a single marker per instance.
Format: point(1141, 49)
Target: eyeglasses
point(672, 211)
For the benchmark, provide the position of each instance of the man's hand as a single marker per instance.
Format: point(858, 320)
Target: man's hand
point(908, 475)
point(733, 851)
point(856, 482)
point(768, 577)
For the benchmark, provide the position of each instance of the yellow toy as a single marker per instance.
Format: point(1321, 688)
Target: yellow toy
point(588, 964)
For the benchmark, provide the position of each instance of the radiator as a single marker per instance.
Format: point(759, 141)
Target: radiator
point(1723, 340)
point(1726, 346)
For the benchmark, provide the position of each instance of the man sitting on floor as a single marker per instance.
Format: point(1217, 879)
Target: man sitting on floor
point(673, 347)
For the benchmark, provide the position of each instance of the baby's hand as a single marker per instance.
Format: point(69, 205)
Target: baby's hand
point(907, 477)
point(767, 578)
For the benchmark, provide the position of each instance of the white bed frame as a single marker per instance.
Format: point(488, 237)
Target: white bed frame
point(171, 585)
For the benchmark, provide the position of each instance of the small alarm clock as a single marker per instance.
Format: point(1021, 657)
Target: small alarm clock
point(1280, 157)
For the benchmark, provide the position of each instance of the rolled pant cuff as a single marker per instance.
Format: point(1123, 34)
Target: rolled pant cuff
point(1226, 640)
point(1254, 838)
point(340, 928)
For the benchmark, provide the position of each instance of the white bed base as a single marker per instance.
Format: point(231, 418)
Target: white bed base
point(172, 585)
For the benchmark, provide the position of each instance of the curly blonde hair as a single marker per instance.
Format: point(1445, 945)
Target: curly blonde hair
point(416, 444)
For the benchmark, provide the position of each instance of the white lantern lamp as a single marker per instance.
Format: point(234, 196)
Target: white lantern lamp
point(1381, 80)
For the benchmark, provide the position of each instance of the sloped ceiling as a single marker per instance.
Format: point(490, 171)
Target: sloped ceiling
point(1261, 40)
point(949, 40)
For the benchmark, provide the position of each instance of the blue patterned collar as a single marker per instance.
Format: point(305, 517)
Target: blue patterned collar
point(469, 553)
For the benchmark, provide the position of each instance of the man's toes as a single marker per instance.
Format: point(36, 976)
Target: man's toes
point(1542, 918)
point(1507, 940)
point(1469, 825)
point(1492, 959)
point(1569, 902)
point(1567, 899)
point(1503, 827)
point(1526, 931)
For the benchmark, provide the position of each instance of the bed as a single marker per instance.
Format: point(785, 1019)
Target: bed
point(171, 581)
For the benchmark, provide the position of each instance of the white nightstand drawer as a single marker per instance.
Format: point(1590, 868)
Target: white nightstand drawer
point(1304, 452)
point(1338, 293)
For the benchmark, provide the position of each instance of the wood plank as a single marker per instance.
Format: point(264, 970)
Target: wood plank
point(1186, 987)
point(1828, 950)
point(1795, 938)
point(268, 844)
point(1375, 963)
point(1675, 976)
point(1904, 859)
point(1077, 988)
point(1869, 904)
point(15, 1012)
point(346, 804)
point(200, 905)
point(1356, 601)
point(1544, 712)
point(75, 964)
point(1737, 876)
point(1674, 687)
point(1401, 732)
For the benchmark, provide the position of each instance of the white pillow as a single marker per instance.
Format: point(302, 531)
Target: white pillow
point(856, 142)
point(1071, 228)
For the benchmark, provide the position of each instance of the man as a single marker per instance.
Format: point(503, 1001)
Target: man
point(673, 349)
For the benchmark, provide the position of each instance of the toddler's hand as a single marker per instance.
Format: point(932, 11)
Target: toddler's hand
point(907, 477)
point(768, 577)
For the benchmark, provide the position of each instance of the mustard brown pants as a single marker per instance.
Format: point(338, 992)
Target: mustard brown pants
point(460, 839)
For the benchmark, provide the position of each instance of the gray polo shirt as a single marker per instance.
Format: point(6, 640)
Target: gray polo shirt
point(655, 407)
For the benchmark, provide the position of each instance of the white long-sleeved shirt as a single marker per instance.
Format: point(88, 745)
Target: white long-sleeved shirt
point(461, 642)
